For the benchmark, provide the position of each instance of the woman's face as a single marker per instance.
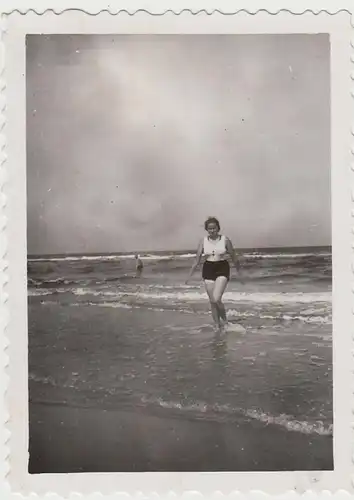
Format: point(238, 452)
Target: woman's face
point(212, 229)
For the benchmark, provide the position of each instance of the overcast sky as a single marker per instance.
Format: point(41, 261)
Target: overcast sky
point(133, 140)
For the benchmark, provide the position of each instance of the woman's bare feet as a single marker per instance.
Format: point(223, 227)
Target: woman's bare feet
point(223, 325)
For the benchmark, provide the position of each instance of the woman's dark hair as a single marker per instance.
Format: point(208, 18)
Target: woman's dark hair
point(210, 220)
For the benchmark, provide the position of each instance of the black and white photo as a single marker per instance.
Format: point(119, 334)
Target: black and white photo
point(179, 253)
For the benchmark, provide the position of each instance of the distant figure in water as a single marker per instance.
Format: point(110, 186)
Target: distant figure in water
point(139, 266)
point(216, 269)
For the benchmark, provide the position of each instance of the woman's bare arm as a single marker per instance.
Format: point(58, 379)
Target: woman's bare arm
point(233, 255)
point(196, 261)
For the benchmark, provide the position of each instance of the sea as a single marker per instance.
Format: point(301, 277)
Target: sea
point(99, 337)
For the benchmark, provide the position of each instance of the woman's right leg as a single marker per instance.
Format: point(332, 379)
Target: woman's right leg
point(209, 286)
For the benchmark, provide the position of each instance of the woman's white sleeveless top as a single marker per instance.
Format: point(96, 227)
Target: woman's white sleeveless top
point(215, 250)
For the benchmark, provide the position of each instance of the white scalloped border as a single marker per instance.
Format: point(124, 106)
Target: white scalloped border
point(4, 313)
point(160, 7)
point(113, 12)
point(352, 213)
point(7, 9)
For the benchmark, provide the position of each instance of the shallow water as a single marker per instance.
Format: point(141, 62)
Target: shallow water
point(100, 338)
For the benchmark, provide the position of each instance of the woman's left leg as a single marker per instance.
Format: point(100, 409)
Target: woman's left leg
point(219, 289)
point(209, 286)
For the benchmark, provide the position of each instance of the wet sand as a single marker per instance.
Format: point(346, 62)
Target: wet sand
point(66, 439)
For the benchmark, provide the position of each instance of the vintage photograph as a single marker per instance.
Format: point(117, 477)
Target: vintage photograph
point(179, 253)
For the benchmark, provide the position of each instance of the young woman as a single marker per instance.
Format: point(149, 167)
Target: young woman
point(216, 270)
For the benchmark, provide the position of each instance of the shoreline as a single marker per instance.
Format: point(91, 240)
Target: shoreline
point(68, 439)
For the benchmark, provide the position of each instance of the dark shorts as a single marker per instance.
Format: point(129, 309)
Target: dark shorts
point(212, 270)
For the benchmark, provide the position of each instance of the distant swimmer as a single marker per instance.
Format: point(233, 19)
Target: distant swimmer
point(139, 266)
point(216, 269)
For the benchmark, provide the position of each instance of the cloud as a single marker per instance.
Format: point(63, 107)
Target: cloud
point(134, 140)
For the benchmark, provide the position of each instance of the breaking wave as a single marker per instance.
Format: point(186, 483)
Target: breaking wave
point(283, 420)
point(229, 297)
point(201, 409)
point(176, 255)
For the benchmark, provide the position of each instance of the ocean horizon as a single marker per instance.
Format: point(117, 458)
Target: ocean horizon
point(320, 249)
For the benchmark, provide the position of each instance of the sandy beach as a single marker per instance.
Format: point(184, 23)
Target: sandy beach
point(90, 440)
